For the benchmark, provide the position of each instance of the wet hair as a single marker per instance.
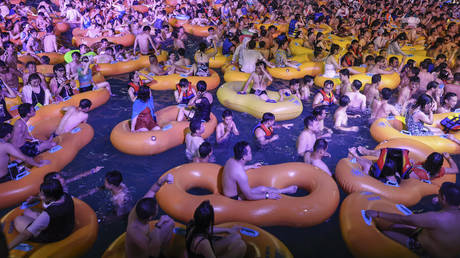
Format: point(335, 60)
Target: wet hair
point(392, 59)
point(202, 46)
point(146, 28)
point(414, 79)
point(184, 83)
point(334, 49)
point(195, 125)
point(432, 85)
point(425, 64)
point(202, 223)
point(320, 144)
point(451, 193)
point(433, 163)
point(143, 94)
point(201, 86)
point(205, 149)
point(440, 56)
point(443, 74)
point(57, 67)
point(447, 96)
point(379, 59)
point(24, 109)
point(146, 208)
point(376, 78)
point(239, 150)
point(261, 44)
point(50, 175)
point(34, 76)
point(328, 82)
point(114, 177)
point(252, 44)
point(386, 93)
point(294, 82)
point(308, 121)
point(389, 168)
point(52, 189)
point(344, 101)
point(307, 79)
point(317, 111)
point(181, 52)
point(5, 129)
point(267, 117)
point(76, 54)
point(422, 101)
point(415, 70)
point(85, 103)
point(356, 84)
point(345, 72)
point(369, 58)
point(227, 113)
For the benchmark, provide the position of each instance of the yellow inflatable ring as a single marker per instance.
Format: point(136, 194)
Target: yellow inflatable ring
point(288, 73)
point(259, 242)
point(392, 127)
point(196, 30)
point(360, 233)
point(297, 48)
point(219, 59)
point(350, 177)
point(310, 210)
point(122, 67)
point(290, 108)
point(75, 245)
point(154, 142)
point(169, 82)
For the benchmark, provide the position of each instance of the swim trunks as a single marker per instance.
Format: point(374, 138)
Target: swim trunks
point(85, 89)
point(30, 148)
point(258, 92)
point(414, 245)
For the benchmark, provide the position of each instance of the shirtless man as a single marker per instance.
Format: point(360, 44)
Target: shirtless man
point(424, 75)
point(141, 241)
point(372, 90)
point(428, 234)
point(193, 140)
point(259, 79)
point(106, 57)
point(7, 150)
point(448, 103)
point(379, 67)
point(345, 84)
point(204, 153)
point(225, 128)
point(341, 116)
point(307, 138)
point(381, 108)
point(49, 41)
point(434, 90)
point(182, 61)
point(72, 67)
point(319, 151)
point(22, 138)
point(264, 132)
point(406, 93)
point(10, 57)
point(144, 40)
point(235, 181)
point(73, 117)
point(357, 99)
point(10, 76)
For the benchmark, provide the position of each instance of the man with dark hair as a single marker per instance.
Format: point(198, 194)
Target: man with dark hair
point(235, 181)
point(341, 116)
point(7, 149)
point(204, 153)
point(357, 99)
point(193, 140)
point(319, 151)
point(22, 137)
point(264, 131)
point(54, 223)
point(141, 241)
point(121, 198)
point(434, 233)
point(9, 75)
point(73, 116)
point(381, 108)
point(227, 127)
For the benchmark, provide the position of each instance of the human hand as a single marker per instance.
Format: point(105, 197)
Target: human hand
point(256, 165)
point(275, 137)
point(242, 92)
point(164, 219)
point(446, 155)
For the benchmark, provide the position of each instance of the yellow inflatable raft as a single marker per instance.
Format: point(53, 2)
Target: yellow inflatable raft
point(171, 135)
point(290, 108)
point(288, 73)
point(360, 232)
point(75, 245)
point(392, 127)
point(260, 243)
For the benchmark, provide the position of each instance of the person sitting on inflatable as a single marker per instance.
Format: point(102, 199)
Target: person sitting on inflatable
point(73, 117)
point(264, 131)
point(341, 116)
point(325, 95)
point(61, 86)
point(85, 77)
point(259, 79)
point(143, 116)
point(200, 240)
point(184, 92)
point(135, 82)
point(53, 224)
point(235, 181)
point(432, 167)
point(428, 234)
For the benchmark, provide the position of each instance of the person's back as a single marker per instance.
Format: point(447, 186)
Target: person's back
point(61, 223)
point(73, 117)
point(229, 182)
point(248, 63)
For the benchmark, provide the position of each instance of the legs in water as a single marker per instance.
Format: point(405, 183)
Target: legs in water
point(230, 246)
point(104, 85)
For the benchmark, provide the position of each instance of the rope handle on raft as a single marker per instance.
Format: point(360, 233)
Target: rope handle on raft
point(24, 247)
point(55, 149)
point(75, 130)
point(14, 107)
point(403, 209)
point(26, 205)
point(249, 232)
point(367, 219)
point(31, 127)
point(426, 181)
point(391, 183)
point(406, 132)
point(166, 127)
point(179, 231)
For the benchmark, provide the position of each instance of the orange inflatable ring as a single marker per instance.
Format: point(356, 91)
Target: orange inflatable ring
point(154, 142)
point(128, 66)
point(259, 242)
point(13, 192)
point(55, 58)
point(310, 210)
point(196, 30)
point(283, 27)
point(127, 40)
point(361, 234)
point(140, 8)
point(75, 245)
point(177, 22)
point(168, 82)
point(392, 127)
point(350, 177)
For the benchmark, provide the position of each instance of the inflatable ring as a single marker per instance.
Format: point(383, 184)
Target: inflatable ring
point(289, 73)
point(178, 21)
point(68, 55)
point(310, 210)
point(259, 242)
point(122, 67)
point(392, 127)
point(233, 74)
point(196, 30)
point(297, 48)
point(75, 245)
point(171, 135)
point(169, 82)
point(68, 145)
point(390, 81)
point(219, 59)
point(290, 108)
point(350, 177)
point(55, 58)
point(360, 232)
point(283, 27)
point(127, 40)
